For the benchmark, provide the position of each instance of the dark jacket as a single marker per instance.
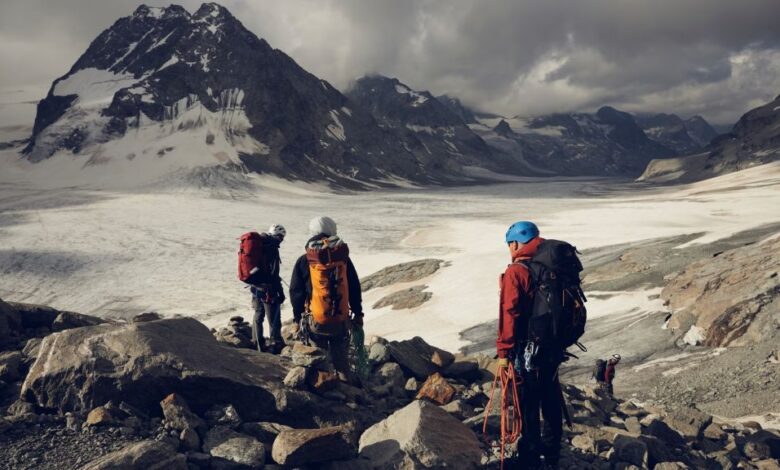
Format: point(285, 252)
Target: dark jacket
point(300, 286)
point(271, 250)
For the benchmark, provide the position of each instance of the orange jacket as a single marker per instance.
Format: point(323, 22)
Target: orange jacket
point(515, 297)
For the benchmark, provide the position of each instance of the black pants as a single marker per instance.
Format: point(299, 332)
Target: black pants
point(540, 391)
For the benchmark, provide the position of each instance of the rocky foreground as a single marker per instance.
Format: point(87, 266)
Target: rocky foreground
point(79, 392)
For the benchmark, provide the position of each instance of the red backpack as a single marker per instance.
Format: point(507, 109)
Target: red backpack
point(253, 259)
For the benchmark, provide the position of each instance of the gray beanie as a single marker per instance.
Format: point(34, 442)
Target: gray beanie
point(324, 225)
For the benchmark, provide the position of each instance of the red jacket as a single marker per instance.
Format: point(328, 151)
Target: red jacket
point(515, 297)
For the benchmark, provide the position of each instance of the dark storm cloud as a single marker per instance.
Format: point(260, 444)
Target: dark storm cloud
point(716, 57)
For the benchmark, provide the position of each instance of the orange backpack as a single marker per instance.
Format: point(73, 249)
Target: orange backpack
point(329, 302)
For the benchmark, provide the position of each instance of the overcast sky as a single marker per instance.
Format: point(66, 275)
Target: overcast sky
point(717, 58)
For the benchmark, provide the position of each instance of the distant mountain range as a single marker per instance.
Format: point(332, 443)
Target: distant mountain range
point(164, 91)
point(754, 140)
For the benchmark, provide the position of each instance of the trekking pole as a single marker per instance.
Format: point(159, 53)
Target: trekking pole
point(510, 416)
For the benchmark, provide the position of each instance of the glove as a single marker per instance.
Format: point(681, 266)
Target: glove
point(357, 320)
point(503, 363)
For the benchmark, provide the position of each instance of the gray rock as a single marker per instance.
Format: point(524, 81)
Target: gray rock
point(378, 353)
point(312, 446)
point(418, 357)
point(632, 425)
point(10, 362)
point(190, 441)
point(297, 378)
point(459, 409)
point(179, 416)
point(689, 422)
point(671, 466)
point(661, 430)
point(411, 297)
point(463, 370)
point(309, 356)
point(390, 374)
point(20, 407)
point(30, 350)
point(146, 316)
point(10, 323)
point(264, 432)
point(147, 455)
point(412, 385)
point(404, 272)
point(68, 320)
point(199, 459)
point(224, 443)
point(584, 443)
point(630, 450)
point(421, 432)
point(141, 363)
point(223, 415)
point(756, 450)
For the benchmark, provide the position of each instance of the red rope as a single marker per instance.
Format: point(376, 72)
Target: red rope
point(511, 418)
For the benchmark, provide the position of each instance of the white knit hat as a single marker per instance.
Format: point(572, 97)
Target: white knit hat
point(324, 225)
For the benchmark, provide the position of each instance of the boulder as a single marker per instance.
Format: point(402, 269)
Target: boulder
point(661, 430)
point(405, 272)
point(378, 353)
point(459, 409)
point(630, 450)
point(309, 356)
point(223, 443)
point(437, 389)
point(148, 455)
point(422, 433)
point(264, 432)
point(189, 440)
point(714, 432)
point(391, 375)
point(312, 446)
point(584, 443)
point(10, 363)
point(657, 450)
point(767, 464)
point(10, 323)
point(223, 415)
point(179, 416)
point(671, 466)
point(141, 363)
point(688, 421)
point(100, 416)
point(297, 378)
point(417, 356)
point(628, 408)
point(146, 316)
point(323, 381)
point(67, 320)
point(463, 370)
point(632, 425)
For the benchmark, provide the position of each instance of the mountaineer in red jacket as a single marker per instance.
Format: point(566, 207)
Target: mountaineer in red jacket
point(538, 369)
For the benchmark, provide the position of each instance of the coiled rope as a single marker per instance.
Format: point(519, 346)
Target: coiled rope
point(511, 416)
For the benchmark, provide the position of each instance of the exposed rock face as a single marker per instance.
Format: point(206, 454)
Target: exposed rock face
point(419, 357)
point(734, 298)
point(223, 443)
point(204, 77)
point(684, 137)
point(608, 142)
point(149, 455)
point(405, 299)
point(311, 446)
point(405, 272)
point(141, 363)
point(754, 140)
point(421, 435)
point(431, 130)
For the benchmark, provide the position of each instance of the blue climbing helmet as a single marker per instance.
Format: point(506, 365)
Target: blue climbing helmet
point(522, 232)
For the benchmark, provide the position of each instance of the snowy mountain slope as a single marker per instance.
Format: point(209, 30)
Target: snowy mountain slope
point(683, 136)
point(754, 140)
point(608, 142)
point(166, 89)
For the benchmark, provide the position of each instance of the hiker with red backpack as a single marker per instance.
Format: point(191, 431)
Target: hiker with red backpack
point(542, 313)
point(324, 288)
point(258, 265)
point(604, 372)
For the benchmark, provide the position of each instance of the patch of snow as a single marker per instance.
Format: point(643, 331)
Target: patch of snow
point(694, 336)
point(419, 98)
point(346, 111)
point(204, 62)
point(159, 43)
point(173, 60)
point(425, 129)
point(93, 86)
point(336, 130)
